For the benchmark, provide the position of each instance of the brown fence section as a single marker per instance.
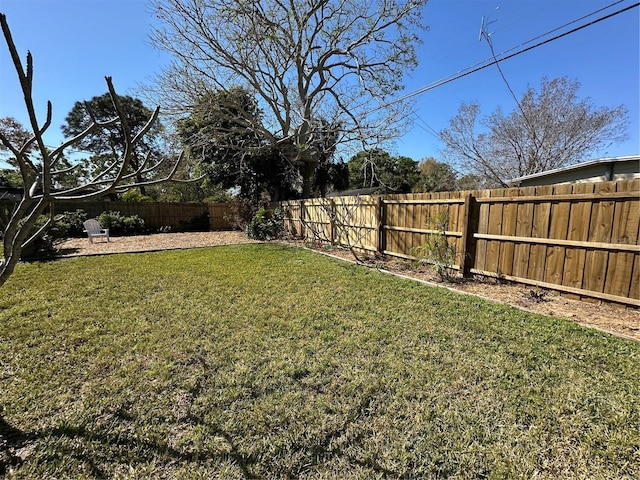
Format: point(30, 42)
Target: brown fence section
point(580, 239)
point(174, 216)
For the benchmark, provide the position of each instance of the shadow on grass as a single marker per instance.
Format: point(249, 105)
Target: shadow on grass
point(100, 447)
point(17, 446)
point(12, 441)
point(48, 256)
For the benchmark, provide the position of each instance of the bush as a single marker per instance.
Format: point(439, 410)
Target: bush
point(70, 224)
point(265, 225)
point(437, 250)
point(119, 224)
point(43, 246)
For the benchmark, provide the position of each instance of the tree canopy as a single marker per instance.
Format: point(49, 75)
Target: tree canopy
point(380, 170)
point(218, 136)
point(101, 109)
point(108, 144)
point(313, 66)
point(550, 129)
point(15, 133)
point(435, 176)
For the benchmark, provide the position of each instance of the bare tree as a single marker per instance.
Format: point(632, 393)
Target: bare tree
point(310, 63)
point(550, 129)
point(40, 170)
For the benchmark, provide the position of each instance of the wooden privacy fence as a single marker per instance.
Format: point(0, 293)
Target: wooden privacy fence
point(157, 215)
point(579, 239)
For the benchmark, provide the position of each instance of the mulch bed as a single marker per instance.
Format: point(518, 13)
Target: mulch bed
point(150, 243)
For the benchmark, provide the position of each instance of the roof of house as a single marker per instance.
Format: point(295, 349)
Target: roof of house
point(580, 166)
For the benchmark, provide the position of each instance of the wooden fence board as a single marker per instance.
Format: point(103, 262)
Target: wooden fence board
point(559, 225)
point(619, 273)
point(540, 229)
point(579, 220)
point(405, 218)
point(456, 223)
point(422, 214)
point(392, 236)
point(483, 226)
point(495, 211)
point(404, 244)
point(625, 225)
point(599, 231)
point(510, 212)
point(524, 226)
point(634, 292)
point(464, 252)
point(625, 229)
point(413, 239)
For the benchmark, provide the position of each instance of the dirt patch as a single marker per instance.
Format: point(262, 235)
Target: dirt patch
point(613, 318)
point(149, 243)
point(609, 317)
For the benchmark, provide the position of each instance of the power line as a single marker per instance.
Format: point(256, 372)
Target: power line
point(564, 26)
point(494, 61)
point(430, 130)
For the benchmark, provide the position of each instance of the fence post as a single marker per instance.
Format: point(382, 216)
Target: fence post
point(467, 235)
point(332, 220)
point(301, 219)
point(381, 221)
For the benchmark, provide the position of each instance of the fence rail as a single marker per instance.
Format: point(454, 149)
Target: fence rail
point(579, 239)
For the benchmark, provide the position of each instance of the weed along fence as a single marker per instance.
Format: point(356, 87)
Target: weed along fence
point(580, 239)
point(176, 216)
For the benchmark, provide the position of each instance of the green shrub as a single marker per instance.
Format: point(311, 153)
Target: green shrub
point(65, 225)
point(437, 250)
point(265, 225)
point(119, 224)
point(43, 246)
point(133, 225)
point(70, 224)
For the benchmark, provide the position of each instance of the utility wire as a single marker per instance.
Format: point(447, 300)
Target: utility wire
point(487, 36)
point(495, 61)
point(563, 26)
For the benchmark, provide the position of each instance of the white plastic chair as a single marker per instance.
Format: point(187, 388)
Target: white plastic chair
point(93, 229)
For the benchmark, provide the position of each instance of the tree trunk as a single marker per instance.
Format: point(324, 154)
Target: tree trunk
point(308, 169)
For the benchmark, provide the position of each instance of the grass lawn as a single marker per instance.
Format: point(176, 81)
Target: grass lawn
point(262, 361)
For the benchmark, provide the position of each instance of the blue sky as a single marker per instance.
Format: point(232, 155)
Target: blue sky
point(75, 43)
